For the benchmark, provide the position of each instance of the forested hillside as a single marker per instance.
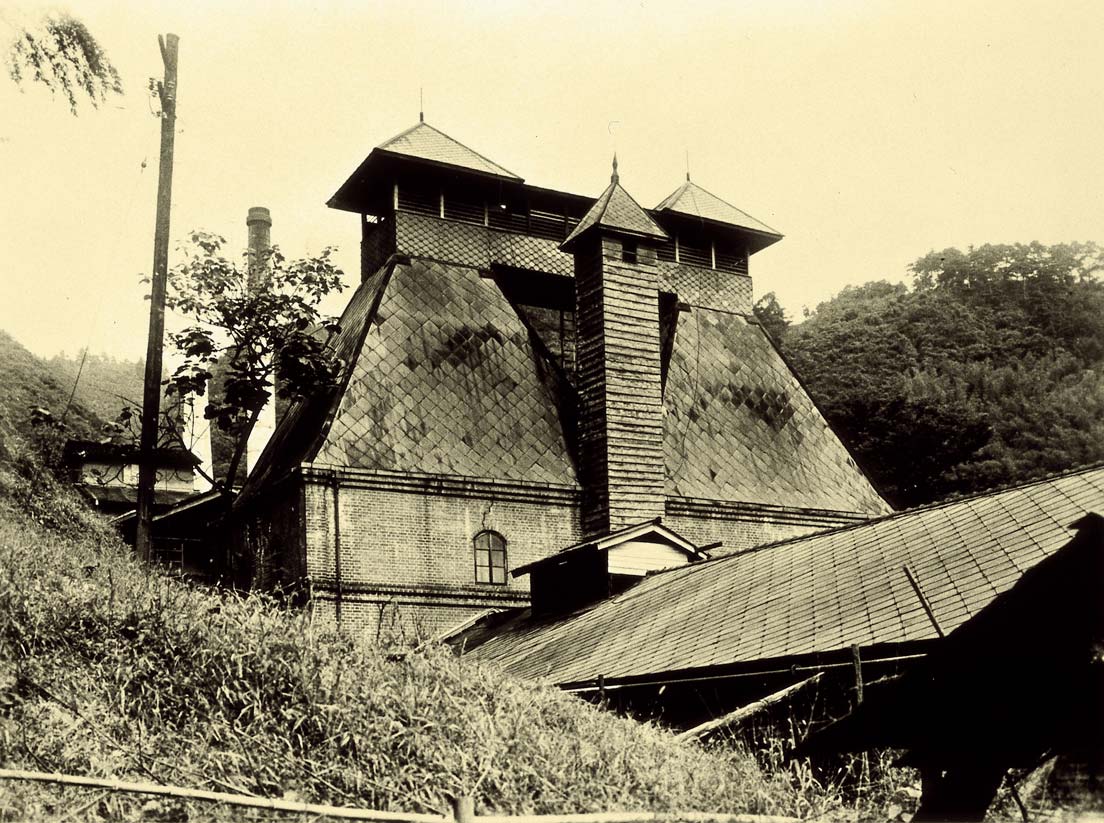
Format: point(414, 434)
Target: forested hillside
point(106, 384)
point(987, 370)
point(29, 383)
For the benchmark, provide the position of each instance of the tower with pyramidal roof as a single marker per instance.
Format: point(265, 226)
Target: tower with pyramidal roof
point(528, 371)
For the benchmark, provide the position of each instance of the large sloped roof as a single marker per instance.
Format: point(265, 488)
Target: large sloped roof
point(442, 379)
point(739, 425)
point(299, 431)
point(692, 200)
point(809, 595)
point(424, 142)
point(447, 382)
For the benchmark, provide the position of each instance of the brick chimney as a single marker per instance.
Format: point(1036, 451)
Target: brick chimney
point(618, 362)
point(259, 222)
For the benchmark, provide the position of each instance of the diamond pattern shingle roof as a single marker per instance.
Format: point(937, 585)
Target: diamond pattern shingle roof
point(739, 425)
point(424, 142)
point(299, 432)
point(810, 595)
point(441, 379)
point(692, 200)
point(446, 382)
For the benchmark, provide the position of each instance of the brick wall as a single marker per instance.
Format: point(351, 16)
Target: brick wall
point(743, 526)
point(412, 548)
point(390, 619)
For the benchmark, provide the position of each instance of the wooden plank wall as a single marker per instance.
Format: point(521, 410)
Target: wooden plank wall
point(621, 430)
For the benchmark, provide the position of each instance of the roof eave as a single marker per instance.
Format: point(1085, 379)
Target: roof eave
point(344, 200)
point(770, 237)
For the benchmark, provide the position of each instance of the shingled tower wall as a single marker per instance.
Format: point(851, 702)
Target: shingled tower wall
point(621, 420)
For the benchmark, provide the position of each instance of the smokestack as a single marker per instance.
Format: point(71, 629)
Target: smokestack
point(259, 222)
point(618, 362)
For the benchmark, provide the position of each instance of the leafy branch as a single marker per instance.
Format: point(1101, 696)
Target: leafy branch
point(256, 332)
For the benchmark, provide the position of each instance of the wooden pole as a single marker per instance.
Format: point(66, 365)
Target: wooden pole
point(151, 395)
point(741, 714)
point(463, 809)
point(923, 600)
point(856, 659)
point(222, 797)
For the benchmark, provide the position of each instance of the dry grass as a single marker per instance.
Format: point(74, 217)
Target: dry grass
point(107, 669)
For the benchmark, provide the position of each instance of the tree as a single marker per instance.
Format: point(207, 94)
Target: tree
point(990, 371)
point(254, 331)
point(771, 316)
point(59, 52)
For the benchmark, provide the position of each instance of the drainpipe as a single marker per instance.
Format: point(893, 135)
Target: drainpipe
point(337, 552)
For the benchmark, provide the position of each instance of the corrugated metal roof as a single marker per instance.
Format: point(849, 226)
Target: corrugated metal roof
point(809, 595)
point(427, 143)
point(692, 200)
point(615, 209)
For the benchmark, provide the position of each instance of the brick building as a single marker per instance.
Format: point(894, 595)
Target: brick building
point(526, 369)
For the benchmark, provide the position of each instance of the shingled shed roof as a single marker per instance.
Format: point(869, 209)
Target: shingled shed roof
point(442, 379)
point(807, 596)
point(739, 425)
point(692, 200)
point(616, 211)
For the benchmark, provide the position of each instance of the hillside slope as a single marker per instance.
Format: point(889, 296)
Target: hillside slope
point(107, 669)
point(29, 382)
point(106, 384)
point(987, 372)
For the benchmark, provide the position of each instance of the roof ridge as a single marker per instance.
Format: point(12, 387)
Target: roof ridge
point(401, 135)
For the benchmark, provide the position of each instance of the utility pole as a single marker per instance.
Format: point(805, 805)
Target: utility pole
point(151, 395)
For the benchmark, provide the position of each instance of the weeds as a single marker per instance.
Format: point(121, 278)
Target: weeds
point(111, 670)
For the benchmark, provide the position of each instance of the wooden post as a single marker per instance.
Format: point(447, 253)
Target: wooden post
point(923, 600)
point(856, 659)
point(463, 809)
point(151, 394)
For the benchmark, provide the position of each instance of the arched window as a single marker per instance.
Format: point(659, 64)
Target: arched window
point(490, 558)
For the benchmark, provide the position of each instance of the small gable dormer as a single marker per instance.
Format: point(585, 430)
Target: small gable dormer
point(597, 568)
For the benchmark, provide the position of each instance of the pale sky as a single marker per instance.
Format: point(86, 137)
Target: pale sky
point(867, 132)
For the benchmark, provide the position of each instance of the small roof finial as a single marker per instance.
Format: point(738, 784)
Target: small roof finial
point(421, 105)
point(613, 177)
point(688, 165)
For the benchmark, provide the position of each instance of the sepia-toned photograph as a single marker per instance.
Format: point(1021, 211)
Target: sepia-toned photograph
point(516, 411)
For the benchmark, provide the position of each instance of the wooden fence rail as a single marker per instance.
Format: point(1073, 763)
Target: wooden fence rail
point(463, 807)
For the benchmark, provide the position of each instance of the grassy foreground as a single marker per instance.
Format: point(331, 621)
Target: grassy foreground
point(107, 669)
